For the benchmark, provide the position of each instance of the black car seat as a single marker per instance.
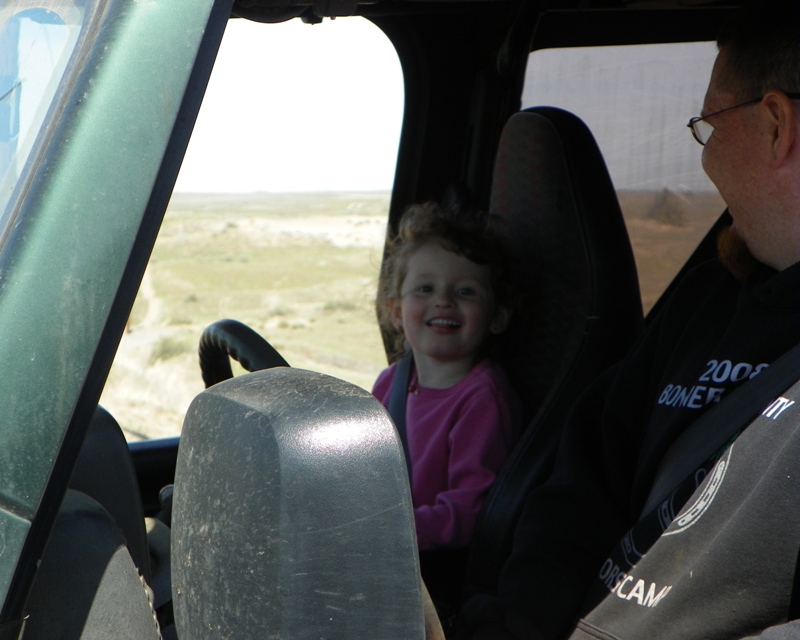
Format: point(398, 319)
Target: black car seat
point(572, 257)
point(292, 514)
point(104, 470)
point(101, 528)
point(87, 586)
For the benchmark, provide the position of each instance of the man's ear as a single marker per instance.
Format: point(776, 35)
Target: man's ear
point(783, 125)
point(502, 316)
point(396, 313)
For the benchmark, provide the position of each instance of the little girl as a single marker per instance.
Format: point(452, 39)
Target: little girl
point(443, 297)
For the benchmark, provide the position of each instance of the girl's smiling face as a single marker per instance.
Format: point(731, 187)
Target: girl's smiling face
point(446, 307)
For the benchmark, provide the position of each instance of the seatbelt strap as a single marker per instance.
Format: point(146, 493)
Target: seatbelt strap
point(720, 424)
point(398, 395)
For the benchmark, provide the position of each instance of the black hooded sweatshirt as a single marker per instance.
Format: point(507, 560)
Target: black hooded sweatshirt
point(718, 558)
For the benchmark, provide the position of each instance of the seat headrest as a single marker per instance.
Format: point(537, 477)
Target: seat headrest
point(568, 242)
point(104, 470)
point(572, 256)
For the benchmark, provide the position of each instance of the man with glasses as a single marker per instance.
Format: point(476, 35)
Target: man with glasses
point(632, 537)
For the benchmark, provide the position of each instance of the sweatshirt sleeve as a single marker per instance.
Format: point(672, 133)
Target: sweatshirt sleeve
point(479, 444)
point(788, 631)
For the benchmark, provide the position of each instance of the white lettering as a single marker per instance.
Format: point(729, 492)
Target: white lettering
point(650, 598)
point(758, 370)
point(774, 410)
point(620, 594)
point(611, 578)
point(606, 569)
point(616, 580)
point(695, 397)
point(711, 364)
point(695, 400)
point(621, 577)
point(637, 592)
point(741, 371)
point(661, 595)
point(674, 395)
point(722, 372)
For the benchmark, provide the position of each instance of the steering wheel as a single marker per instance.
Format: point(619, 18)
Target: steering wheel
point(225, 339)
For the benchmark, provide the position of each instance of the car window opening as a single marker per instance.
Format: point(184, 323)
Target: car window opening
point(279, 225)
point(636, 100)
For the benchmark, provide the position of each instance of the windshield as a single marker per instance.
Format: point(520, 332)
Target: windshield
point(37, 41)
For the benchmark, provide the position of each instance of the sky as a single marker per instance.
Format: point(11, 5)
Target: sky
point(636, 101)
point(297, 107)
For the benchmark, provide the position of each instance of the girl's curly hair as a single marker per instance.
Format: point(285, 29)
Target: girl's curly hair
point(471, 233)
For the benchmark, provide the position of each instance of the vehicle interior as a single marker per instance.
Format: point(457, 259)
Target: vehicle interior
point(307, 523)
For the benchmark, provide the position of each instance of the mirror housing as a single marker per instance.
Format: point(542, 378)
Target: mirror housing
point(292, 514)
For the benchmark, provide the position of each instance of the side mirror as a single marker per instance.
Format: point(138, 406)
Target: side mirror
point(292, 514)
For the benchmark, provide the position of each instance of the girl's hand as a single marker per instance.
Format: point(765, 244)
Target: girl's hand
point(433, 628)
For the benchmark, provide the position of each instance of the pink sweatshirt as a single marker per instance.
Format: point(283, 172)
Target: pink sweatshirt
point(458, 440)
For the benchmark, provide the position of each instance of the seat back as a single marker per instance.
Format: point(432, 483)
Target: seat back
point(87, 586)
point(104, 470)
point(572, 256)
point(292, 514)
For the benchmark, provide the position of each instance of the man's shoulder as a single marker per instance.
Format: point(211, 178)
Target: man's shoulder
point(707, 281)
point(706, 273)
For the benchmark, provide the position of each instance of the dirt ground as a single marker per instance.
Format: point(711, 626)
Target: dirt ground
point(301, 269)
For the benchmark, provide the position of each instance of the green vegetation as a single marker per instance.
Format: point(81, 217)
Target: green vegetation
point(300, 269)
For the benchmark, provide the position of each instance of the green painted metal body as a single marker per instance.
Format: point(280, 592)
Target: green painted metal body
point(72, 229)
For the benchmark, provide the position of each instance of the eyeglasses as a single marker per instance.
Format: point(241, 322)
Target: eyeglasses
point(702, 130)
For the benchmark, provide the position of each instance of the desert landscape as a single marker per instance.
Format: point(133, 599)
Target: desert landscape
point(301, 270)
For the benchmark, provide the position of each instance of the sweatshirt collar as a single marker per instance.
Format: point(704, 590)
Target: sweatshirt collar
point(776, 288)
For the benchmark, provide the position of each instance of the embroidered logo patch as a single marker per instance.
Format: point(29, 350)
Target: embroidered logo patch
point(692, 513)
